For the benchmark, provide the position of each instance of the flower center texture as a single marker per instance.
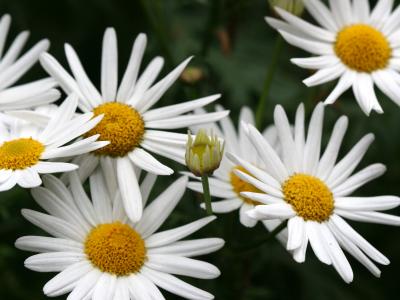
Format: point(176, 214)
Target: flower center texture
point(240, 185)
point(121, 125)
point(20, 153)
point(115, 248)
point(363, 48)
point(309, 196)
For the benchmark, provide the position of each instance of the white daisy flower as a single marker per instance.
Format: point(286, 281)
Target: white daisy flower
point(13, 68)
point(225, 183)
point(27, 150)
point(101, 254)
point(132, 128)
point(356, 45)
point(313, 192)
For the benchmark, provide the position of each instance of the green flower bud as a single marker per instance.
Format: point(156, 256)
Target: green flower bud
point(295, 7)
point(204, 153)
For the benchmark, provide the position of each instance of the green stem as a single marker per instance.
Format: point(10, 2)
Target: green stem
point(206, 194)
point(260, 113)
point(272, 234)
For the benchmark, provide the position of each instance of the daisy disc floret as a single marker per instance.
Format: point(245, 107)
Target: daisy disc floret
point(136, 131)
point(110, 256)
point(312, 191)
point(32, 142)
point(352, 43)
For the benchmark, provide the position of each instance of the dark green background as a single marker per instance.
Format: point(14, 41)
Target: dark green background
point(233, 47)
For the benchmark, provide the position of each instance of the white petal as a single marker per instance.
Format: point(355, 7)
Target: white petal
point(65, 281)
point(128, 81)
point(317, 242)
point(176, 286)
point(186, 120)
point(190, 248)
point(44, 167)
point(313, 144)
point(178, 109)
point(85, 285)
point(367, 203)
point(105, 287)
point(344, 83)
point(317, 62)
point(146, 186)
point(215, 190)
point(169, 236)
point(28, 178)
point(147, 162)
point(296, 227)
point(109, 65)
point(369, 217)
point(358, 240)
point(321, 13)
point(100, 196)
point(359, 179)
point(328, 159)
point(312, 46)
point(244, 218)
point(348, 163)
point(312, 30)
point(47, 244)
point(225, 206)
point(129, 188)
point(184, 266)
point(272, 211)
point(160, 208)
point(342, 11)
point(53, 261)
point(361, 10)
point(386, 83)
point(53, 225)
point(381, 12)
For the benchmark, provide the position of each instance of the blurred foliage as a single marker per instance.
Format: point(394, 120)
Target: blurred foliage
point(232, 46)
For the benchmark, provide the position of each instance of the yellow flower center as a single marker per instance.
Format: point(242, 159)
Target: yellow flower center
point(362, 48)
point(240, 185)
point(309, 196)
point(115, 248)
point(121, 125)
point(20, 153)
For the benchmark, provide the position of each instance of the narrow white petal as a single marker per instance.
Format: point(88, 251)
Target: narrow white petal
point(344, 83)
point(296, 227)
point(359, 179)
point(317, 62)
point(190, 248)
point(367, 203)
point(85, 285)
point(47, 244)
point(225, 206)
point(328, 159)
point(160, 208)
point(147, 162)
point(53, 261)
point(342, 11)
point(312, 147)
point(381, 12)
point(176, 286)
point(184, 266)
point(44, 167)
point(317, 242)
point(369, 217)
point(312, 46)
point(28, 178)
point(128, 81)
point(100, 196)
point(109, 65)
point(129, 188)
point(244, 217)
point(105, 287)
point(361, 10)
point(65, 281)
point(169, 236)
point(321, 13)
point(272, 211)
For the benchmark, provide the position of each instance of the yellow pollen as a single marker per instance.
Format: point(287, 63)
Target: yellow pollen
point(121, 125)
point(362, 48)
point(309, 196)
point(240, 185)
point(115, 248)
point(20, 153)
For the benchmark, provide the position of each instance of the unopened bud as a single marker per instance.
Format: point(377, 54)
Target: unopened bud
point(203, 153)
point(295, 7)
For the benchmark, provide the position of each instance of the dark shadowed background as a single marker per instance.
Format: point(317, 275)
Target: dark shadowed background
point(232, 46)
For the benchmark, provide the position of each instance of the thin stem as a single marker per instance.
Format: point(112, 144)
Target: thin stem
point(272, 234)
point(206, 194)
point(260, 113)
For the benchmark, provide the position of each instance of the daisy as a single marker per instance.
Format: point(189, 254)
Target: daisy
point(25, 149)
point(132, 128)
point(13, 68)
point(313, 192)
point(225, 183)
point(101, 254)
point(356, 45)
